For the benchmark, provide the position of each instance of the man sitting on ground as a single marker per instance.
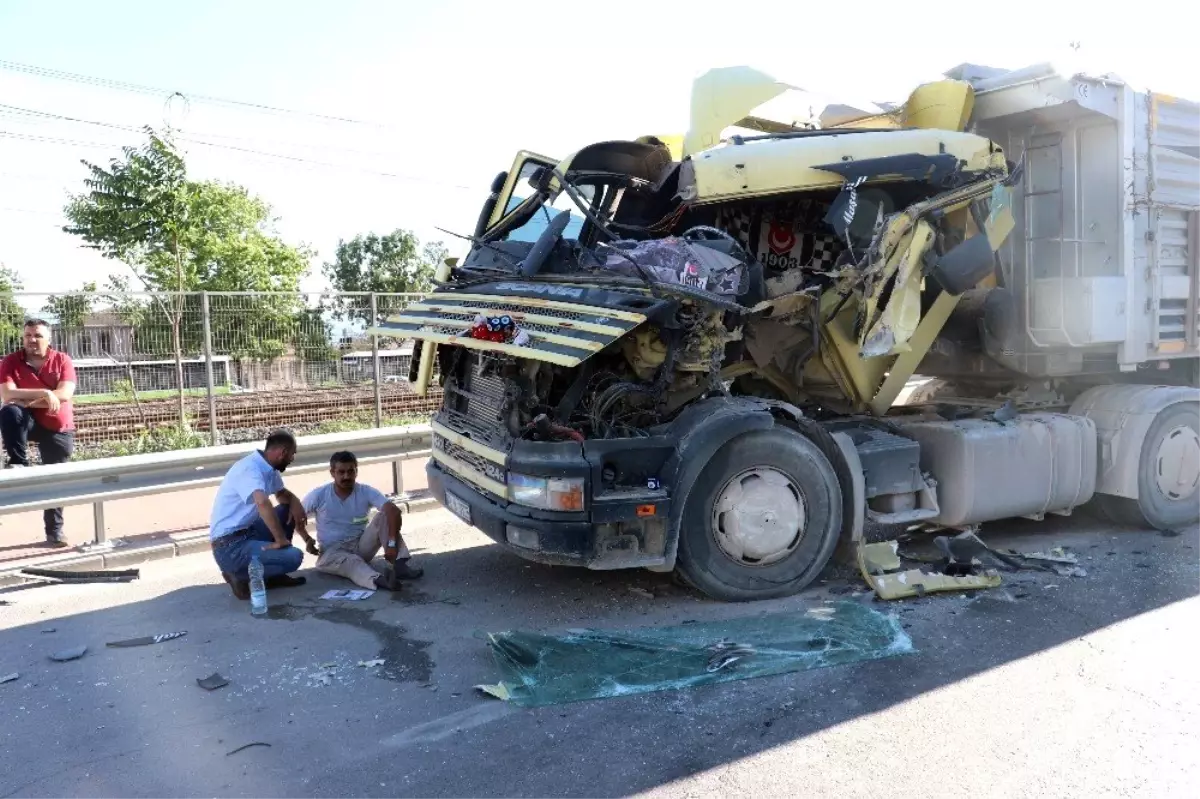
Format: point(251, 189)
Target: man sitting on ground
point(245, 524)
point(347, 540)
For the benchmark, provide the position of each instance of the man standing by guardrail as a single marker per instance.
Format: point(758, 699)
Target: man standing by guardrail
point(245, 524)
point(37, 383)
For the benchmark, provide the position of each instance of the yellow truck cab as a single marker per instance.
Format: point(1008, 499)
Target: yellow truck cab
point(684, 352)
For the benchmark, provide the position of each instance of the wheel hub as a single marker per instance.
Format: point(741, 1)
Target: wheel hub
point(1177, 467)
point(759, 517)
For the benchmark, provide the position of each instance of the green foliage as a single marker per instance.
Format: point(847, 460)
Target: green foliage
point(124, 390)
point(393, 263)
point(365, 420)
point(178, 235)
point(12, 315)
point(69, 311)
point(159, 439)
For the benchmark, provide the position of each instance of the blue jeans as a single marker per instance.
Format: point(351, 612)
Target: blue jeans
point(235, 558)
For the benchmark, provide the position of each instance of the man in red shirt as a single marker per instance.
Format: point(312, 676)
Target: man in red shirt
point(36, 386)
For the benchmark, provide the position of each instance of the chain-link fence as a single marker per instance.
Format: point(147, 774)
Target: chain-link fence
point(167, 371)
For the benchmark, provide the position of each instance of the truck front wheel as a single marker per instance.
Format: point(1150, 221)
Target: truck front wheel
point(1168, 475)
point(762, 519)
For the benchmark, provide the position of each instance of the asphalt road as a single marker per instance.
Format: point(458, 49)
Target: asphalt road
point(1048, 686)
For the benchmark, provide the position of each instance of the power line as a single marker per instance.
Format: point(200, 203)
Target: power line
point(107, 83)
point(220, 146)
point(13, 111)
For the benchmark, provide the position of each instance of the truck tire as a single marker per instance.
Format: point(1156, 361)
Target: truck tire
point(1172, 443)
point(762, 519)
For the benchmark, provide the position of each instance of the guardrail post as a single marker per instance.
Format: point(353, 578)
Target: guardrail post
point(98, 534)
point(375, 362)
point(213, 433)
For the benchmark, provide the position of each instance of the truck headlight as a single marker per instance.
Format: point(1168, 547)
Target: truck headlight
point(547, 493)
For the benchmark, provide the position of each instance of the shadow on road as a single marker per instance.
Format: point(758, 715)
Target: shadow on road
point(134, 722)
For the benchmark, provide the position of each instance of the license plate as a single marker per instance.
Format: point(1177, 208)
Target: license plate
point(458, 507)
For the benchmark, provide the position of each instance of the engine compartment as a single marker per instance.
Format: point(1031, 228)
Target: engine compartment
point(739, 296)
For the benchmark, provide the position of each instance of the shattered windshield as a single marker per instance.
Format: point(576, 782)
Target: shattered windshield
point(533, 228)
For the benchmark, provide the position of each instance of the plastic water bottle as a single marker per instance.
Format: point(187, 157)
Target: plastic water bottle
point(258, 588)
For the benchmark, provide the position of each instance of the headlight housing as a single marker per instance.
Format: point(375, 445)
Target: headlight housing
point(546, 493)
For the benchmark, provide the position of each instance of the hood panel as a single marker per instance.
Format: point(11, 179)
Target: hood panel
point(561, 333)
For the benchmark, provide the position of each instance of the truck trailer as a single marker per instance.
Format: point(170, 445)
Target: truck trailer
point(686, 352)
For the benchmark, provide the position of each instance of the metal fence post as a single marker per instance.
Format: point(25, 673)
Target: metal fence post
point(99, 534)
point(375, 362)
point(213, 433)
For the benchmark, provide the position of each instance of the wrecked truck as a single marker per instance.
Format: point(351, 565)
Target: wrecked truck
point(685, 353)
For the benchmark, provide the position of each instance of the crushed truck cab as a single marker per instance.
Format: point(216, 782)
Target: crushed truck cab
point(685, 353)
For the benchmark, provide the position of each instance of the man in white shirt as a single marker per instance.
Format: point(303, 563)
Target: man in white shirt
point(245, 524)
point(349, 539)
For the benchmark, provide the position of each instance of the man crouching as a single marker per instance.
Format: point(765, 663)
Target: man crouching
point(347, 541)
point(245, 525)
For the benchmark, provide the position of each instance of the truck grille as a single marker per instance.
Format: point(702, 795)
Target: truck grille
point(485, 467)
point(473, 402)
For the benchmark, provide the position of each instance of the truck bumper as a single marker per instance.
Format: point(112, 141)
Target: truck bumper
point(560, 541)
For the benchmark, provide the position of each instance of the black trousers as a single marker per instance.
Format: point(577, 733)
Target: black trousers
point(18, 428)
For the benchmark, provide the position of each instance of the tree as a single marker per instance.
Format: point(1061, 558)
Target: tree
point(70, 311)
point(12, 315)
point(179, 236)
point(393, 263)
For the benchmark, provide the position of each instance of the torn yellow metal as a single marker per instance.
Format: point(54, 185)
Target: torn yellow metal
point(498, 691)
point(915, 582)
point(881, 557)
point(781, 166)
point(902, 313)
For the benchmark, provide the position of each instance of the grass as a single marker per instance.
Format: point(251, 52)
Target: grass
point(159, 439)
point(366, 421)
point(174, 437)
point(145, 396)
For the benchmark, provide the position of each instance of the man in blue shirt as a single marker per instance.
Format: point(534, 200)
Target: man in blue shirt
point(349, 538)
point(245, 524)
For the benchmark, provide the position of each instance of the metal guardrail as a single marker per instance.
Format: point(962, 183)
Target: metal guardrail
point(103, 480)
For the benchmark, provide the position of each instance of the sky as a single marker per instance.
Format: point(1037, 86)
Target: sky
point(433, 101)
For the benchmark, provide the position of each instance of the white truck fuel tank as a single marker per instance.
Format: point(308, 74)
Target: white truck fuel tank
point(986, 470)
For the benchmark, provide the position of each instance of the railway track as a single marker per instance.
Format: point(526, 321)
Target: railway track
point(118, 421)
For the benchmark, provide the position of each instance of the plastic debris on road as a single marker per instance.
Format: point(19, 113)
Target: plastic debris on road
point(73, 653)
point(147, 640)
point(595, 664)
point(9, 677)
point(347, 594)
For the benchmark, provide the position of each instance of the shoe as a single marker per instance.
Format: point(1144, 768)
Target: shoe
point(240, 588)
point(387, 581)
point(59, 542)
point(405, 572)
point(285, 581)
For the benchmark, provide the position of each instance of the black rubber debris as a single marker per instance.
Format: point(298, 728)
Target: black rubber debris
point(212, 682)
point(246, 746)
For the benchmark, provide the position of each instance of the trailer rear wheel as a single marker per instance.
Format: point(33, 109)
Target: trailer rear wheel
point(762, 519)
point(1168, 475)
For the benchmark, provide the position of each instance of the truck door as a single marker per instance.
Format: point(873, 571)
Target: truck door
point(516, 185)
